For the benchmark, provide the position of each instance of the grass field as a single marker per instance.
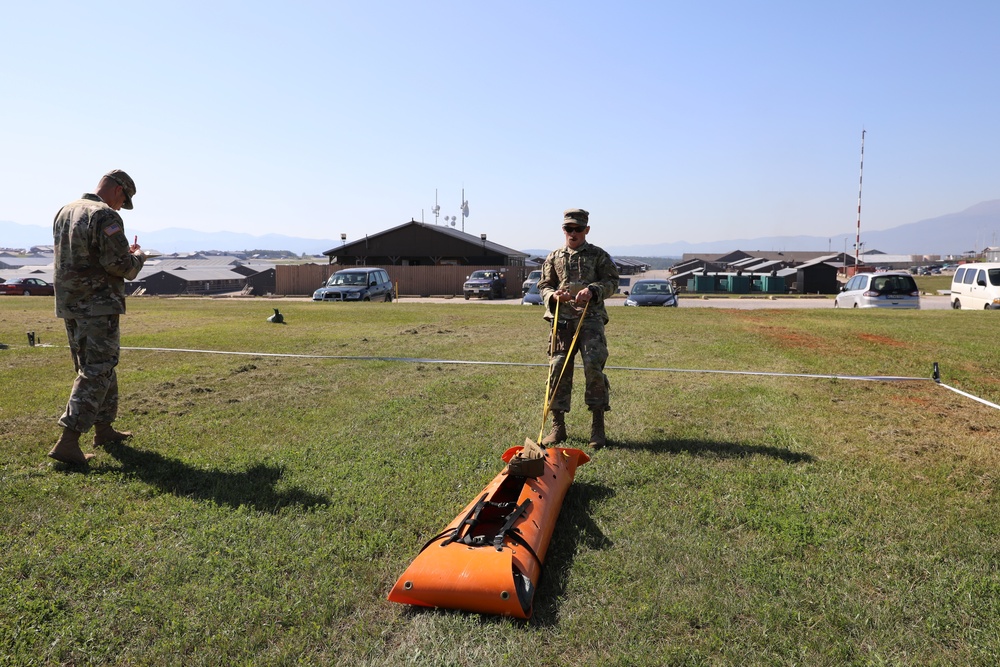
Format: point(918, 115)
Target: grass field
point(267, 504)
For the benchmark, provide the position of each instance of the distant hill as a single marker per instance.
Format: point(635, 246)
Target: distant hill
point(185, 240)
point(13, 235)
point(952, 234)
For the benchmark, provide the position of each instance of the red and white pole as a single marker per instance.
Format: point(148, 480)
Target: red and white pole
point(861, 178)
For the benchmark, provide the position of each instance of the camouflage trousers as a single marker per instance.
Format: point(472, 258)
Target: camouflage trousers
point(94, 343)
point(593, 348)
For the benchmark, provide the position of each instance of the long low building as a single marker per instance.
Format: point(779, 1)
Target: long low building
point(194, 281)
point(769, 271)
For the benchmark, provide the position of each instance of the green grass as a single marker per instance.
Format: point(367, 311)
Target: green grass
point(932, 284)
point(266, 505)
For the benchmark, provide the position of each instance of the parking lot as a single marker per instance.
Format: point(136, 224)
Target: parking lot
point(755, 303)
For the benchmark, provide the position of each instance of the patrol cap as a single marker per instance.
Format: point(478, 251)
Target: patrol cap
point(124, 180)
point(576, 216)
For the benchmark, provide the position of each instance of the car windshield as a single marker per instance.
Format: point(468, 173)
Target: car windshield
point(481, 275)
point(651, 288)
point(893, 284)
point(533, 289)
point(347, 279)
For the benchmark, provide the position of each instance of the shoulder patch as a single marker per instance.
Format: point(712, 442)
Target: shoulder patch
point(112, 229)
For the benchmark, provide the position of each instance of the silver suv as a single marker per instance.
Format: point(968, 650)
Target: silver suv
point(888, 289)
point(358, 284)
point(532, 279)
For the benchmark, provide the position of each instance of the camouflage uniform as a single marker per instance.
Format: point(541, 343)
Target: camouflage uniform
point(586, 267)
point(92, 261)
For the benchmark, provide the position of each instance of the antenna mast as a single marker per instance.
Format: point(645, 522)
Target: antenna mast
point(464, 209)
point(861, 178)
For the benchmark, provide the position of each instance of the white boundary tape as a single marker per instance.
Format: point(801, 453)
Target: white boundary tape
point(865, 378)
point(423, 360)
point(975, 398)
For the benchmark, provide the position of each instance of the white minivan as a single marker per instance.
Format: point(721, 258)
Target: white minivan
point(976, 286)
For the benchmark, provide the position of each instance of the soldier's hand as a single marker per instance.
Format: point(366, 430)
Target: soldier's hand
point(583, 297)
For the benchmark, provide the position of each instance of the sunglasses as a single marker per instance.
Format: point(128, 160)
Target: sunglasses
point(570, 229)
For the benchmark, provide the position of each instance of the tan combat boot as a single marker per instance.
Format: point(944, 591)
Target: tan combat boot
point(105, 434)
point(67, 448)
point(597, 438)
point(558, 432)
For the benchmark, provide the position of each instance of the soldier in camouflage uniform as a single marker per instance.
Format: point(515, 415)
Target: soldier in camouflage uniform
point(574, 276)
point(92, 260)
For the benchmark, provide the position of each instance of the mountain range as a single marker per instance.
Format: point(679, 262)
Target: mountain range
point(951, 234)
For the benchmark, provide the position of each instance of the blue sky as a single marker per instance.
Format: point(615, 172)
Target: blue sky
point(668, 121)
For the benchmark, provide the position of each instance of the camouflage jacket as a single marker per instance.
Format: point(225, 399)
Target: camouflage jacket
point(587, 266)
point(92, 259)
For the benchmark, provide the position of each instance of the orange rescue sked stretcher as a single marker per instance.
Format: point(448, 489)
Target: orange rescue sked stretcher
point(490, 557)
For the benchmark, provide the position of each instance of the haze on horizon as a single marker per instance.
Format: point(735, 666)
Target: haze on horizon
point(690, 122)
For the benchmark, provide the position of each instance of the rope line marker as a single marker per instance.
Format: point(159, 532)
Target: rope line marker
point(466, 362)
point(936, 377)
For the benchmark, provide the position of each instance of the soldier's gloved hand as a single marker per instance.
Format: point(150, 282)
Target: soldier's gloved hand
point(562, 296)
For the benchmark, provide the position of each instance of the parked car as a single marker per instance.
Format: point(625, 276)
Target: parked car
point(27, 287)
point(533, 297)
point(976, 286)
point(651, 293)
point(488, 283)
point(891, 289)
point(532, 279)
point(357, 284)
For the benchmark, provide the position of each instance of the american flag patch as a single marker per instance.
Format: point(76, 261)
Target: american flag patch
point(111, 230)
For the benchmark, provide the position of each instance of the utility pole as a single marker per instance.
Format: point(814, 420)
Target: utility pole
point(861, 178)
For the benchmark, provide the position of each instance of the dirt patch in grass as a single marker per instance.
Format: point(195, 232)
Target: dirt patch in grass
point(882, 340)
point(788, 338)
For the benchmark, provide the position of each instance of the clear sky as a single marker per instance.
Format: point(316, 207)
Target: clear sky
point(668, 121)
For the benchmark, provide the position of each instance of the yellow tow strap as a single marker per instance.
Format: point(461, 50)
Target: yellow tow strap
point(550, 391)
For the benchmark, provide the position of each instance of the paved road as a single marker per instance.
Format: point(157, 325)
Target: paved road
point(926, 302)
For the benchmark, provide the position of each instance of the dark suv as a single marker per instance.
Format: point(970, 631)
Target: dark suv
point(490, 284)
point(358, 284)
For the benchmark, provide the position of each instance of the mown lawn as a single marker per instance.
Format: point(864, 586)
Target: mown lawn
point(267, 504)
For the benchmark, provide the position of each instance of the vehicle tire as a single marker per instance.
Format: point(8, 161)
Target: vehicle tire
point(26, 293)
point(986, 307)
point(466, 296)
point(835, 304)
point(367, 298)
point(956, 304)
point(388, 297)
point(855, 304)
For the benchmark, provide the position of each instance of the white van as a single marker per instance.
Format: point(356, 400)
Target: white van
point(976, 286)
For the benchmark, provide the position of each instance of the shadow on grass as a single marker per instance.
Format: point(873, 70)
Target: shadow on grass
point(575, 530)
point(252, 488)
point(720, 450)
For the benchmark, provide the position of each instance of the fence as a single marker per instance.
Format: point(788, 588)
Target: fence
point(303, 279)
